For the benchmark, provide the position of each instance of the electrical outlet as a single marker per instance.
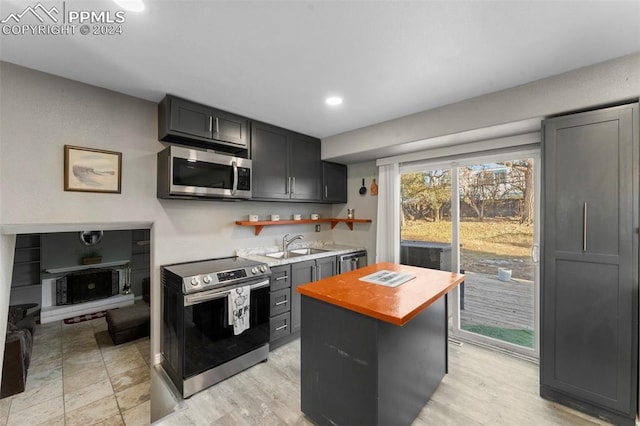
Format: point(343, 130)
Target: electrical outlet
point(317, 228)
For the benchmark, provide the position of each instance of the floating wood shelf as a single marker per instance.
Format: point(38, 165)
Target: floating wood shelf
point(333, 221)
point(349, 222)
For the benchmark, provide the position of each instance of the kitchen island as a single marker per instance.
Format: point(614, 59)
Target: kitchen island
point(372, 354)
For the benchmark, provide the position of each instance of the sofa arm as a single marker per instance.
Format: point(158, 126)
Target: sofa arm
point(14, 373)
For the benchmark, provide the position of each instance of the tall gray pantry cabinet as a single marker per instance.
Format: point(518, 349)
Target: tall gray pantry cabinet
point(589, 292)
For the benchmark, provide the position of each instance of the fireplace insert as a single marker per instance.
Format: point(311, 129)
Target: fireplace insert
point(87, 285)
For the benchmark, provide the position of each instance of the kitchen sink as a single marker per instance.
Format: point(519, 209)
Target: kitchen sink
point(306, 251)
point(276, 255)
point(295, 253)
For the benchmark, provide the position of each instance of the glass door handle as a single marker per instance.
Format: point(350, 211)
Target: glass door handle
point(535, 253)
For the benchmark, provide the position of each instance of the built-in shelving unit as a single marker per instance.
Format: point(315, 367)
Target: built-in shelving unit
point(259, 225)
point(26, 262)
point(140, 261)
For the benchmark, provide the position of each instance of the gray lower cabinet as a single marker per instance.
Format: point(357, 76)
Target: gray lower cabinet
point(285, 300)
point(589, 292)
point(303, 273)
point(280, 307)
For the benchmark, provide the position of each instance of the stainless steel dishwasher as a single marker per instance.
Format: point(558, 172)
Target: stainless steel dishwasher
point(350, 261)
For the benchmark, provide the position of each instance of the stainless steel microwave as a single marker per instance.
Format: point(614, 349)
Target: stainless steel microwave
point(192, 173)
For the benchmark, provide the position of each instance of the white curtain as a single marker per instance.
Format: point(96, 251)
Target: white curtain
point(388, 235)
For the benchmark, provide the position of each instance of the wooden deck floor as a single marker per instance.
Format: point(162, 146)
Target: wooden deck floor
point(489, 301)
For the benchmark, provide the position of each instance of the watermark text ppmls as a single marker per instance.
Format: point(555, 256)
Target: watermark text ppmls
point(61, 18)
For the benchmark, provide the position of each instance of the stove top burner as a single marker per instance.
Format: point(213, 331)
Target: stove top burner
point(207, 274)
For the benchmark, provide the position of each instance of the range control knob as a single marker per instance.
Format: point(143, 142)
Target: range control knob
point(195, 281)
point(254, 270)
point(206, 279)
point(263, 268)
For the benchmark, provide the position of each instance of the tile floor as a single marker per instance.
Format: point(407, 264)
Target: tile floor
point(78, 377)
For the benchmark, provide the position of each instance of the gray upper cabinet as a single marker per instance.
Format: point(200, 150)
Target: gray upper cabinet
point(190, 123)
point(270, 169)
point(589, 292)
point(334, 182)
point(285, 165)
point(305, 167)
point(189, 118)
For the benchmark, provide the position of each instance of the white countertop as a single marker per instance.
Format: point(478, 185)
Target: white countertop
point(258, 254)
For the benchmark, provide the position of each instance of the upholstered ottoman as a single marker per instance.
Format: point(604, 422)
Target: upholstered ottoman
point(128, 323)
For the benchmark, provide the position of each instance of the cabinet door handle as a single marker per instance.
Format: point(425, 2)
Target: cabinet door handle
point(326, 192)
point(293, 187)
point(288, 191)
point(210, 123)
point(217, 126)
point(284, 277)
point(284, 302)
point(282, 327)
point(584, 227)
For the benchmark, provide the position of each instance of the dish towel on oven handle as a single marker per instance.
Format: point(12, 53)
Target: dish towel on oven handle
point(239, 308)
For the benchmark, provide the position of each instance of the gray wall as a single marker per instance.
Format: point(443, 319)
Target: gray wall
point(7, 243)
point(64, 249)
point(40, 113)
point(365, 207)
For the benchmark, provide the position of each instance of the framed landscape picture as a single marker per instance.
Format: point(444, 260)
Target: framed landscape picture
point(92, 170)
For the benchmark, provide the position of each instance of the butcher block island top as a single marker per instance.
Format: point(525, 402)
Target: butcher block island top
point(395, 305)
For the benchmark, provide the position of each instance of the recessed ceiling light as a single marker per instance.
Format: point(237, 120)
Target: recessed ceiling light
point(333, 100)
point(131, 5)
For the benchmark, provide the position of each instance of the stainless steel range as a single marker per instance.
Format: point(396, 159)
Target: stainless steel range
point(215, 320)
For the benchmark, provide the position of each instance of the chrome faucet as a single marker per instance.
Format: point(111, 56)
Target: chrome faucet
point(285, 242)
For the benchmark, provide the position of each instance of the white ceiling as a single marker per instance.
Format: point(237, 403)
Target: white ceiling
point(277, 61)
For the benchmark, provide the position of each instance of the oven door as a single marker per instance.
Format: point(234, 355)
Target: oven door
point(209, 340)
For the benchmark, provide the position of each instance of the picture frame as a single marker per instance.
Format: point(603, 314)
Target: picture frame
point(92, 170)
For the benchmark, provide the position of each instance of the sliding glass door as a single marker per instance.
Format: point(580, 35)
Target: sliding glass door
point(425, 219)
point(479, 215)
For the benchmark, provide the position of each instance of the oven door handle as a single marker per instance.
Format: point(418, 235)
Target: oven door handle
point(205, 296)
point(261, 284)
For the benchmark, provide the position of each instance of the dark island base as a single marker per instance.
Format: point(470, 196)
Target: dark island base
point(356, 370)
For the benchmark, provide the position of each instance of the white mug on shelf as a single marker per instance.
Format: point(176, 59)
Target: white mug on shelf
point(314, 216)
point(253, 218)
point(297, 217)
point(275, 217)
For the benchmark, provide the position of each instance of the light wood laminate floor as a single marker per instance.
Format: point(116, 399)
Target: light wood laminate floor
point(483, 387)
